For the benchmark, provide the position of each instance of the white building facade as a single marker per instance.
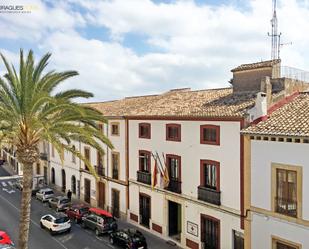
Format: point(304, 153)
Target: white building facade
point(192, 210)
point(277, 179)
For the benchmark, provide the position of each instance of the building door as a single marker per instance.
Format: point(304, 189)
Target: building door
point(115, 203)
point(101, 187)
point(144, 209)
point(73, 184)
point(174, 220)
point(45, 174)
point(87, 190)
point(210, 232)
point(53, 176)
point(63, 180)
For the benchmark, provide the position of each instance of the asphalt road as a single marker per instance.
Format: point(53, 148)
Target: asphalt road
point(78, 238)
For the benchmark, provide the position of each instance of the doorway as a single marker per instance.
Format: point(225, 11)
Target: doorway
point(87, 190)
point(101, 202)
point(144, 209)
point(115, 203)
point(53, 176)
point(63, 180)
point(174, 220)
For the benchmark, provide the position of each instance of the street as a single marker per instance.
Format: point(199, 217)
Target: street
point(39, 238)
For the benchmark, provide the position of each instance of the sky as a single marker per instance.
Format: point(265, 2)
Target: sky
point(135, 47)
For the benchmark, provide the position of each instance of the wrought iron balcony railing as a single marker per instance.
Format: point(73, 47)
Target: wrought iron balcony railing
point(209, 195)
point(144, 177)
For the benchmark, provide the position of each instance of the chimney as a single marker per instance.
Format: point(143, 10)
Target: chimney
point(247, 77)
point(259, 111)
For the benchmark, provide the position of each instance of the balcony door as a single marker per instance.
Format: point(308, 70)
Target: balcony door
point(286, 192)
point(173, 163)
point(144, 209)
point(210, 232)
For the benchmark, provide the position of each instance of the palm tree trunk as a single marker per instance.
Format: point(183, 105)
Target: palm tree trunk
point(24, 219)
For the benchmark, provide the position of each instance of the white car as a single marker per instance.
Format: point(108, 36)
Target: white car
point(44, 194)
point(56, 223)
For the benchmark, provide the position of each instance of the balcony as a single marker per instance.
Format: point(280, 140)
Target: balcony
point(144, 177)
point(174, 186)
point(43, 156)
point(286, 206)
point(115, 174)
point(100, 170)
point(209, 195)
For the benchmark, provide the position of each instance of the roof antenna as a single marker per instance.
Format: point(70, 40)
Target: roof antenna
point(275, 37)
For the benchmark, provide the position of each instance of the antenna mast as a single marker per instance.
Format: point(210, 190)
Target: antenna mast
point(275, 37)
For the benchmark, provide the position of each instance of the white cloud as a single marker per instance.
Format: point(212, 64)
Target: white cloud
point(200, 43)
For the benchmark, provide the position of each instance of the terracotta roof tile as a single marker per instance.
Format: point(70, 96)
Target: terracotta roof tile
point(261, 64)
point(291, 119)
point(207, 103)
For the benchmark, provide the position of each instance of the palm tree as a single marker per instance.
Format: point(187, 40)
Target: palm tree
point(31, 110)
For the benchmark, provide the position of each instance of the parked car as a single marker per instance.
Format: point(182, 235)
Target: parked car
point(100, 221)
point(56, 223)
point(37, 184)
point(7, 246)
point(19, 184)
point(5, 239)
point(44, 194)
point(128, 238)
point(60, 203)
point(76, 212)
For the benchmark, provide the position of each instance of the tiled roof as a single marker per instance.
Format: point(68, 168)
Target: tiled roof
point(261, 64)
point(183, 102)
point(292, 119)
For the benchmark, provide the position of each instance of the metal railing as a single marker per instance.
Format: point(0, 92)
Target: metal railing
point(43, 156)
point(174, 186)
point(144, 177)
point(293, 73)
point(286, 206)
point(100, 170)
point(209, 195)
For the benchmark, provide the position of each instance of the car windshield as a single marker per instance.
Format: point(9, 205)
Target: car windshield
point(49, 192)
point(64, 201)
point(84, 210)
point(61, 220)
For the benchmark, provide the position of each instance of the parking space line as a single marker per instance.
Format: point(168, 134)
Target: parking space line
point(33, 222)
point(4, 184)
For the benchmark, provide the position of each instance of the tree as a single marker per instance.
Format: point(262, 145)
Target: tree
point(32, 110)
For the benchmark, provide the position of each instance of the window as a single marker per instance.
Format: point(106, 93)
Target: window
point(100, 127)
point(210, 174)
point(144, 130)
point(283, 244)
point(286, 192)
point(87, 156)
point(53, 150)
point(210, 134)
point(38, 169)
point(73, 155)
point(238, 240)
point(173, 166)
point(115, 165)
point(210, 232)
point(173, 132)
point(144, 161)
point(115, 129)
point(99, 159)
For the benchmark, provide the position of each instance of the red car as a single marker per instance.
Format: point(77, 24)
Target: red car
point(76, 212)
point(5, 239)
